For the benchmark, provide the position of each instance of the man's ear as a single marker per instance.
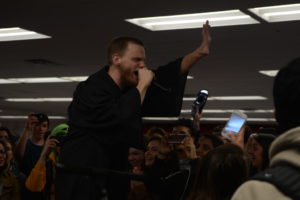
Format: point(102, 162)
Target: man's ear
point(116, 59)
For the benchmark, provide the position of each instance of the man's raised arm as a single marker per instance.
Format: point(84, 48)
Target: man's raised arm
point(203, 50)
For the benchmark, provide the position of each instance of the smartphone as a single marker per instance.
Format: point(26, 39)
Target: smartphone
point(200, 101)
point(176, 138)
point(234, 124)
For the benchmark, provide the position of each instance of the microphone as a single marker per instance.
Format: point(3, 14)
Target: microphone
point(163, 88)
point(160, 86)
point(154, 82)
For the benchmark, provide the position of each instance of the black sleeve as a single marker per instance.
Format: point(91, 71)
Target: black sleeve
point(160, 103)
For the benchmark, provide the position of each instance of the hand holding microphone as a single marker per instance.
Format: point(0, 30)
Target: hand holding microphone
point(153, 80)
point(145, 76)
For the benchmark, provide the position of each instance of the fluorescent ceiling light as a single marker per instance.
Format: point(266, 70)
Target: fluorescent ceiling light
point(289, 12)
point(43, 79)
point(7, 81)
point(25, 117)
point(228, 98)
point(64, 99)
point(207, 119)
point(196, 20)
point(248, 119)
point(75, 78)
point(160, 118)
point(68, 99)
point(271, 73)
point(16, 33)
point(49, 79)
point(188, 111)
point(39, 80)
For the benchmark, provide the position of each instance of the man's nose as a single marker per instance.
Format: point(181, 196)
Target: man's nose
point(142, 65)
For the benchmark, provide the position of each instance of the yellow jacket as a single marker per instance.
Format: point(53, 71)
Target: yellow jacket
point(36, 180)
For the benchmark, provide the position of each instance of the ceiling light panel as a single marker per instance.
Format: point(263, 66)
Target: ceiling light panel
point(51, 99)
point(75, 78)
point(214, 111)
point(280, 13)
point(216, 119)
point(228, 98)
point(25, 117)
point(39, 80)
point(271, 73)
point(196, 20)
point(16, 33)
point(43, 79)
point(7, 81)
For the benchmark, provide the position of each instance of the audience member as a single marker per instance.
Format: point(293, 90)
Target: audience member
point(30, 146)
point(136, 157)
point(206, 143)
point(9, 186)
point(221, 171)
point(258, 150)
point(156, 131)
point(186, 149)
point(6, 133)
point(284, 151)
point(136, 160)
point(41, 176)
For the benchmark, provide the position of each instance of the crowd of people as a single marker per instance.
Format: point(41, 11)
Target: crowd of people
point(102, 152)
point(193, 166)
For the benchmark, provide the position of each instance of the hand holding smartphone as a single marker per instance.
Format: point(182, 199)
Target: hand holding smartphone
point(234, 124)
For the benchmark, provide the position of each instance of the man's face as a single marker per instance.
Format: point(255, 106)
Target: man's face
point(181, 130)
point(3, 134)
point(204, 146)
point(135, 157)
point(152, 152)
point(40, 129)
point(255, 152)
point(130, 62)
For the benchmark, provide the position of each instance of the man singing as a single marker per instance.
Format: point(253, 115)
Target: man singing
point(105, 115)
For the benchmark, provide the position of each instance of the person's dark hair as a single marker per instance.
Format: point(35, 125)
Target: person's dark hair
point(156, 138)
point(216, 141)
point(221, 172)
point(42, 117)
point(5, 164)
point(119, 45)
point(248, 132)
point(11, 137)
point(270, 130)
point(156, 129)
point(286, 94)
point(189, 124)
point(217, 130)
point(265, 140)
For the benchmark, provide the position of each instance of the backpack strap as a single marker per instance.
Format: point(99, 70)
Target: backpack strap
point(283, 176)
